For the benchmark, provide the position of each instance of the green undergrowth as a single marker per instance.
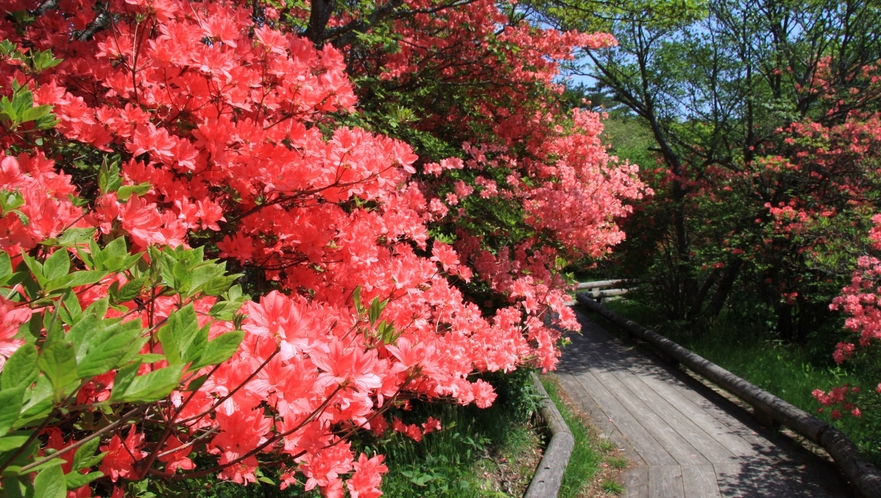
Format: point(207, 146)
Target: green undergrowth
point(788, 371)
point(478, 453)
point(594, 462)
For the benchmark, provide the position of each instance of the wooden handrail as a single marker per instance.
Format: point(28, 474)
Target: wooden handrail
point(602, 284)
point(865, 477)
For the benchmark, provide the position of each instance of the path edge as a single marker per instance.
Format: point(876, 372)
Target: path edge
point(549, 476)
point(865, 477)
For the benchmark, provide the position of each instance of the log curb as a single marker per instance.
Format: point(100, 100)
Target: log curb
point(864, 476)
point(549, 476)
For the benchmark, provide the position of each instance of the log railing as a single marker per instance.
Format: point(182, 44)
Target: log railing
point(864, 476)
point(549, 476)
point(601, 289)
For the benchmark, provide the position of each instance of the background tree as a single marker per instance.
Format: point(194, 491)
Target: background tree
point(148, 147)
point(729, 92)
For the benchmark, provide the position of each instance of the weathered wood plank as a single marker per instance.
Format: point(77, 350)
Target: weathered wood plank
point(734, 481)
point(639, 438)
point(599, 284)
point(699, 481)
point(656, 416)
point(651, 384)
point(598, 417)
point(865, 476)
point(631, 397)
point(636, 482)
point(666, 481)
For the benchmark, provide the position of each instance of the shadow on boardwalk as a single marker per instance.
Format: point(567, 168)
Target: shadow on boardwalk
point(682, 438)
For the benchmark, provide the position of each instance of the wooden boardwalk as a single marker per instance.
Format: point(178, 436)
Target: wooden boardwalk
point(683, 439)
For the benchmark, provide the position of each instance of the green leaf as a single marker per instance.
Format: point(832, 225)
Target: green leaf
point(44, 60)
point(57, 265)
point(10, 201)
point(21, 368)
point(218, 285)
point(57, 361)
point(225, 310)
point(75, 480)
point(108, 177)
point(110, 347)
point(153, 386)
point(85, 455)
point(56, 462)
point(356, 299)
point(196, 383)
point(72, 310)
point(74, 279)
point(17, 487)
point(151, 357)
point(130, 290)
point(39, 401)
point(123, 380)
point(5, 267)
point(180, 337)
point(10, 408)
point(235, 293)
point(13, 442)
point(182, 277)
point(50, 483)
point(127, 191)
point(99, 307)
point(220, 349)
point(376, 307)
point(35, 267)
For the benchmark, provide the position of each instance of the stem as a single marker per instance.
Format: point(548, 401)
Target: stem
point(125, 417)
point(235, 390)
point(263, 446)
point(167, 432)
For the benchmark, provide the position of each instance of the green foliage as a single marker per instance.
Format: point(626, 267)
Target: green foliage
point(67, 346)
point(744, 116)
point(19, 113)
point(448, 463)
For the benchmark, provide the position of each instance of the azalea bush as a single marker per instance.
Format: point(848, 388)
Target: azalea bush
point(212, 262)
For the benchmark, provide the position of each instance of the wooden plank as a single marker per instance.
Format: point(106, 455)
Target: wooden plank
point(767, 481)
point(597, 284)
point(864, 476)
point(738, 432)
point(639, 438)
point(636, 482)
point(699, 481)
point(709, 441)
point(652, 385)
point(615, 376)
point(734, 481)
point(666, 481)
point(598, 417)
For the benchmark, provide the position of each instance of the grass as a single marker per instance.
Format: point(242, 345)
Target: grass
point(788, 371)
point(594, 461)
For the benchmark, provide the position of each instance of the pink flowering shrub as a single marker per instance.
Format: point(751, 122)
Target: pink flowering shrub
point(861, 302)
